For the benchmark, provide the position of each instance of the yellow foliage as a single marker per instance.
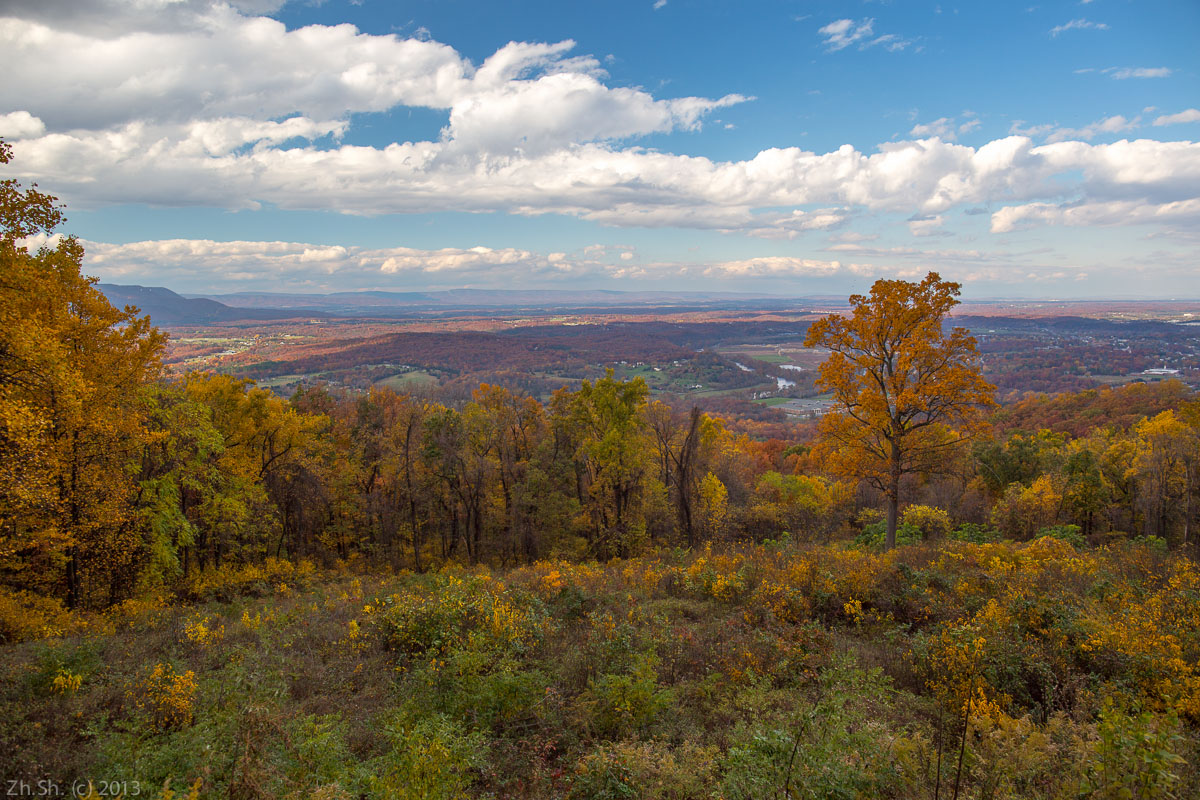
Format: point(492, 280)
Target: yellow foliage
point(1158, 632)
point(475, 613)
point(167, 697)
point(955, 661)
point(25, 616)
point(933, 522)
point(643, 574)
point(1022, 511)
point(553, 581)
point(720, 576)
point(203, 632)
point(66, 682)
point(252, 623)
point(786, 604)
point(70, 409)
point(193, 791)
point(249, 578)
point(547, 578)
point(356, 639)
point(138, 611)
point(854, 611)
point(652, 770)
point(712, 505)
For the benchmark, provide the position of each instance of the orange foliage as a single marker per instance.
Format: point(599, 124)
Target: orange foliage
point(900, 382)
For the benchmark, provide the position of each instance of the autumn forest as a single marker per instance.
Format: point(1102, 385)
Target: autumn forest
point(211, 589)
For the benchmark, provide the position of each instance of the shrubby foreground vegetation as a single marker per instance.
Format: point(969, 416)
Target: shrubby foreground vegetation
point(212, 590)
point(753, 671)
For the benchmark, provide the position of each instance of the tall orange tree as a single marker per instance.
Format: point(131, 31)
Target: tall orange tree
point(907, 391)
point(72, 412)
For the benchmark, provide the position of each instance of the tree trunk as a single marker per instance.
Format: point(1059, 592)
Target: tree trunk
point(73, 591)
point(1187, 503)
point(893, 497)
point(416, 532)
point(684, 477)
point(893, 510)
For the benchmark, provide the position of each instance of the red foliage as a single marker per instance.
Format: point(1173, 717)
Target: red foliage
point(1079, 413)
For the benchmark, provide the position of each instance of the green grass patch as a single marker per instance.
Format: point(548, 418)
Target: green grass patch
point(406, 381)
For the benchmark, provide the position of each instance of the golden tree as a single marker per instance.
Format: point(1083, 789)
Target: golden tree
point(72, 371)
point(907, 392)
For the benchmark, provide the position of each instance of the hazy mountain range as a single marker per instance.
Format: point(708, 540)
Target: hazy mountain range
point(166, 307)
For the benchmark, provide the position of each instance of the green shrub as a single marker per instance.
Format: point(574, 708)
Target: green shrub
point(492, 695)
point(650, 770)
point(432, 758)
point(462, 612)
point(1068, 533)
point(1155, 543)
point(320, 757)
point(55, 658)
point(834, 746)
point(620, 704)
point(1136, 756)
point(874, 535)
point(975, 533)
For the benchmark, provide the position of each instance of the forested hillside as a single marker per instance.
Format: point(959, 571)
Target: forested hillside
point(371, 594)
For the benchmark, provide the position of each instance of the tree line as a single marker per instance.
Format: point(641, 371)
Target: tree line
point(118, 479)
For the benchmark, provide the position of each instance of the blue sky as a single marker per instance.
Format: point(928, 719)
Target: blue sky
point(799, 148)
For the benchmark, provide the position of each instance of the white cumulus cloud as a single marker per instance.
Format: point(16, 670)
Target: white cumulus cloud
point(1112, 212)
point(942, 127)
point(233, 66)
point(1113, 124)
point(21, 125)
point(775, 266)
point(1190, 115)
point(206, 104)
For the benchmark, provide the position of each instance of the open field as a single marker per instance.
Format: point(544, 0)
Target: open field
point(408, 381)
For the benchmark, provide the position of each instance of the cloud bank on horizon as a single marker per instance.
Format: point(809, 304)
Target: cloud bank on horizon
point(166, 104)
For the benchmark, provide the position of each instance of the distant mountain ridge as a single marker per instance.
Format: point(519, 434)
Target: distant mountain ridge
point(548, 298)
point(165, 307)
point(169, 308)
